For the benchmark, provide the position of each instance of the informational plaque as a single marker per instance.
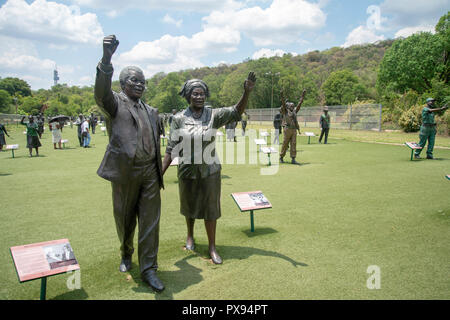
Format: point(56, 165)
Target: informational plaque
point(12, 147)
point(413, 145)
point(260, 141)
point(268, 150)
point(448, 176)
point(175, 161)
point(264, 134)
point(43, 259)
point(64, 141)
point(309, 135)
point(249, 201)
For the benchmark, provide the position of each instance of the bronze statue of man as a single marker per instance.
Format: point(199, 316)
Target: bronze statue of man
point(289, 113)
point(132, 162)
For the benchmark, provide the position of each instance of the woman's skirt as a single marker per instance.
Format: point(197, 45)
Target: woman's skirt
point(2, 140)
point(200, 198)
point(33, 142)
point(56, 136)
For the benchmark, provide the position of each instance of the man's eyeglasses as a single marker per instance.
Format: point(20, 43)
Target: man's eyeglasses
point(135, 81)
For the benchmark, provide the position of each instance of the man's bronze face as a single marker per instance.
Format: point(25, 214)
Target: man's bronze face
point(134, 85)
point(290, 106)
point(198, 97)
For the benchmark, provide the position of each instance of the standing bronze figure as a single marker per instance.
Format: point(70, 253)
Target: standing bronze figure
point(132, 163)
point(290, 124)
point(192, 137)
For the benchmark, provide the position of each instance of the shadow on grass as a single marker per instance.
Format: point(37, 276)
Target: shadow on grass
point(286, 163)
point(27, 156)
point(259, 232)
point(441, 215)
point(79, 294)
point(174, 281)
point(425, 159)
point(189, 275)
point(5, 174)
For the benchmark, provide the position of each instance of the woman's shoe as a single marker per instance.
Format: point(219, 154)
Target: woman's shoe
point(215, 257)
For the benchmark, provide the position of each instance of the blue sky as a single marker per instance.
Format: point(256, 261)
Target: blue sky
point(172, 35)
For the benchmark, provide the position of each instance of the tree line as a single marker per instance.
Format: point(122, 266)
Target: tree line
point(400, 74)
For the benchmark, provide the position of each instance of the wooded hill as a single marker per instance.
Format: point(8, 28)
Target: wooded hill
point(294, 73)
point(399, 74)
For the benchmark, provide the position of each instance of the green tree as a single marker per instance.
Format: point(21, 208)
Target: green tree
point(343, 87)
point(31, 105)
point(5, 101)
point(167, 97)
point(411, 63)
point(15, 86)
point(232, 89)
point(443, 33)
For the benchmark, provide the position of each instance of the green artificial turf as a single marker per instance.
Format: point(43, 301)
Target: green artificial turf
point(348, 206)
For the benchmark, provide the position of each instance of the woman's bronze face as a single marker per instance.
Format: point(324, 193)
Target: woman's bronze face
point(198, 98)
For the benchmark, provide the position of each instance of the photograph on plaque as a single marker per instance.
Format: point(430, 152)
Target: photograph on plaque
point(253, 200)
point(43, 259)
point(259, 199)
point(59, 255)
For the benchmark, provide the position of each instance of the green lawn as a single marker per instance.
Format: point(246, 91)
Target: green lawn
point(350, 205)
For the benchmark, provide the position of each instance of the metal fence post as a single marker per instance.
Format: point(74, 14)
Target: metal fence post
point(350, 120)
point(379, 125)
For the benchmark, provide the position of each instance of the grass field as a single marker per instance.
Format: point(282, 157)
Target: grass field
point(350, 205)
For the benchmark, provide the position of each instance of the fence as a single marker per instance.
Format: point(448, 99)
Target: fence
point(8, 119)
point(353, 117)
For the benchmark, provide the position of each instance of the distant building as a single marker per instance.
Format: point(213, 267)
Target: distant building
point(55, 76)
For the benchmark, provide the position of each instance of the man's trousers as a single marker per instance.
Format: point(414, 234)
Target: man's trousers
point(324, 131)
point(427, 133)
point(139, 198)
point(289, 139)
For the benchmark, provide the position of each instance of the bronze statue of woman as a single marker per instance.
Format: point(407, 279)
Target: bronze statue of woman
point(192, 136)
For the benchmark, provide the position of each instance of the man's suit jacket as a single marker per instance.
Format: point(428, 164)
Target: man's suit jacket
point(121, 124)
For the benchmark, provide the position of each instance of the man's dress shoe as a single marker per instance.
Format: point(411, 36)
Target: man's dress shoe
point(125, 264)
point(152, 280)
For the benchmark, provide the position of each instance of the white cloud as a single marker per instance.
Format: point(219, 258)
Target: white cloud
point(115, 7)
point(171, 53)
point(283, 22)
point(19, 58)
point(406, 32)
point(49, 21)
point(168, 19)
point(86, 81)
point(408, 12)
point(267, 53)
point(361, 35)
point(404, 14)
